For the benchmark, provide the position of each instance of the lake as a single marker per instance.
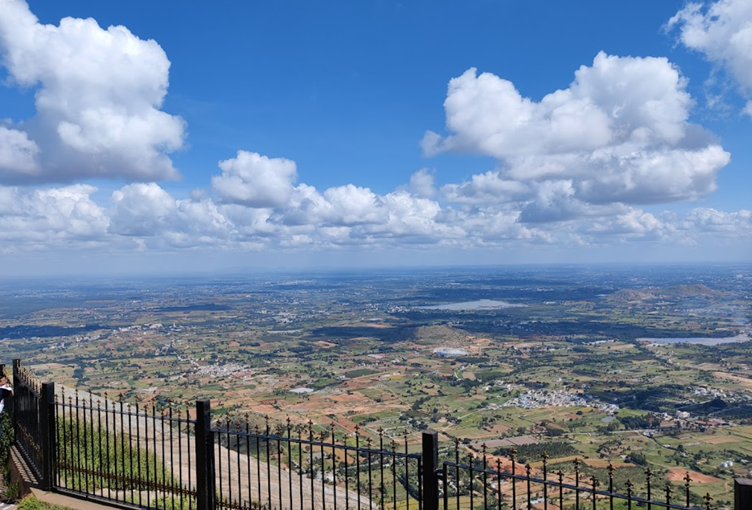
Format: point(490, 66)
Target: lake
point(700, 341)
point(481, 304)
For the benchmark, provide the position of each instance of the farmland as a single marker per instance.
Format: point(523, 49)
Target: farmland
point(533, 357)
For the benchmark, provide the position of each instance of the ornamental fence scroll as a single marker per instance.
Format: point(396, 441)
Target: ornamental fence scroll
point(170, 458)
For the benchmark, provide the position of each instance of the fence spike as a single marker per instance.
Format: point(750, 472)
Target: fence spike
point(687, 481)
point(708, 498)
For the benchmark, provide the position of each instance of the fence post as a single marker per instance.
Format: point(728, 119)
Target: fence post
point(16, 387)
point(742, 494)
point(205, 490)
point(430, 465)
point(47, 433)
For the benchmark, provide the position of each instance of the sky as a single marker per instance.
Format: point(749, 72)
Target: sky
point(191, 136)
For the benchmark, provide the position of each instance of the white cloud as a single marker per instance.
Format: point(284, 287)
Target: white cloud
point(255, 180)
point(352, 205)
point(705, 219)
point(423, 183)
point(141, 210)
point(148, 211)
point(18, 154)
point(722, 31)
point(633, 223)
point(619, 133)
point(407, 218)
point(486, 188)
point(145, 217)
point(50, 218)
point(98, 100)
point(554, 201)
point(340, 206)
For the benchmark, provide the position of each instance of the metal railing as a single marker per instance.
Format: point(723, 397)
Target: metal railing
point(28, 417)
point(296, 467)
point(124, 453)
point(169, 458)
point(494, 483)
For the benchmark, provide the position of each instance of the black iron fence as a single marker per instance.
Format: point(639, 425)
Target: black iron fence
point(30, 419)
point(171, 458)
point(124, 453)
point(491, 483)
point(296, 467)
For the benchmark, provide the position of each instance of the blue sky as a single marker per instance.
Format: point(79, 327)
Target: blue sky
point(372, 133)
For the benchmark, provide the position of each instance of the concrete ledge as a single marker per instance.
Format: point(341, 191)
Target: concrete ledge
point(20, 473)
point(54, 498)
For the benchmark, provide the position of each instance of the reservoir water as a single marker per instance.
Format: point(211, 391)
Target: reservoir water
point(700, 341)
point(481, 304)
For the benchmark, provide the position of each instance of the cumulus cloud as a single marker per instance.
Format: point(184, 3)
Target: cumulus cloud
point(423, 183)
point(98, 99)
point(145, 210)
point(141, 210)
point(632, 223)
point(255, 180)
point(722, 32)
point(554, 201)
point(358, 209)
point(705, 219)
point(352, 205)
point(486, 188)
point(619, 133)
point(18, 154)
point(144, 216)
point(50, 218)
